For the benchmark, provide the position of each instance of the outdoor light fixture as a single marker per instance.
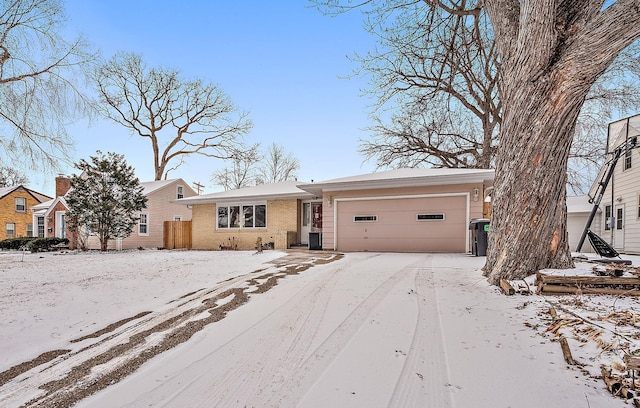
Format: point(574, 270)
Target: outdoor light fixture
point(329, 200)
point(476, 193)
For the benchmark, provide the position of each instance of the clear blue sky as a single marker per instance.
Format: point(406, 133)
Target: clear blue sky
point(282, 61)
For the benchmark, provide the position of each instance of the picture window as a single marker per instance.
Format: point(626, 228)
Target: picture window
point(242, 216)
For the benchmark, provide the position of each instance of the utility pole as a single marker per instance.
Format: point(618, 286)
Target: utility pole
point(199, 187)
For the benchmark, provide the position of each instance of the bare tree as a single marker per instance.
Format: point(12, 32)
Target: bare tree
point(241, 173)
point(549, 55)
point(38, 73)
point(442, 74)
point(445, 88)
point(11, 177)
point(277, 166)
point(426, 136)
point(180, 118)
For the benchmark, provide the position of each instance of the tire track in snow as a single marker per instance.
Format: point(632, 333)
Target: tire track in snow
point(319, 361)
point(71, 377)
point(278, 343)
point(424, 380)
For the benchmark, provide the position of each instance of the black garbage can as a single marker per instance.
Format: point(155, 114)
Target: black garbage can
point(315, 240)
point(479, 228)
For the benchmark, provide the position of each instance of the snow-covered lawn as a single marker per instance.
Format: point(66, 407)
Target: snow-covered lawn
point(284, 329)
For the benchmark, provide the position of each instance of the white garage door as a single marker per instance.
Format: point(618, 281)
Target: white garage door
point(431, 224)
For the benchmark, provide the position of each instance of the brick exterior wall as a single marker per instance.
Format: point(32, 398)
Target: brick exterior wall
point(8, 213)
point(282, 227)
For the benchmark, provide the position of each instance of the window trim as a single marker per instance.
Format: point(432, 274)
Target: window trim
point(365, 218)
point(430, 217)
point(24, 209)
point(146, 224)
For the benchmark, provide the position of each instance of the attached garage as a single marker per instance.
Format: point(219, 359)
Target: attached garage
point(402, 210)
point(436, 223)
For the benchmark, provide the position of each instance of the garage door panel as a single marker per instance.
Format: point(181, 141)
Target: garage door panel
point(397, 229)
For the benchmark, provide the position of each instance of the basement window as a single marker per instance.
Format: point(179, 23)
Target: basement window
point(365, 218)
point(430, 217)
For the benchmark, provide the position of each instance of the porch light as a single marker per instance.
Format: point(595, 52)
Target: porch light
point(476, 194)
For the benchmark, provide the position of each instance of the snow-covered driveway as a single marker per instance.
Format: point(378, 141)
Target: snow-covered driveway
point(363, 330)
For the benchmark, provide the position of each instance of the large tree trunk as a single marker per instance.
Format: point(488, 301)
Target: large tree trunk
point(528, 228)
point(551, 52)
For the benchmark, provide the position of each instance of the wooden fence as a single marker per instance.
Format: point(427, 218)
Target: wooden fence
point(177, 234)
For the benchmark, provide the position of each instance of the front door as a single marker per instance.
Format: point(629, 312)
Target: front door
point(61, 225)
point(618, 240)
point(311, 219)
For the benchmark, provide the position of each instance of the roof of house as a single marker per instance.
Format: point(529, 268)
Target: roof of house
point(8, 190)
point(401, 178)
point(272, 191)
point(579, 204)
point(151, 186)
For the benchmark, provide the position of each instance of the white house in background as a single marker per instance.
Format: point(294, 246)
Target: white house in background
point(619, 219)
point(578, 211)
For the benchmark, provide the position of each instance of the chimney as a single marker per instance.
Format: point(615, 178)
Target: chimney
point(63, 184)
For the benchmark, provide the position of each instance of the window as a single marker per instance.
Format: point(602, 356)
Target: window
point(40, 222)
point(627, 159)
point(261, 216)
point(607, 217)
point(180, 192)
point(11, 229)
point(619, 219)
point(177, 217)
point(143, 224)
point(242, 216)
point(430, 217)
point(30, 230)
point(306, 214)
point(21, 204)
point(365, 218)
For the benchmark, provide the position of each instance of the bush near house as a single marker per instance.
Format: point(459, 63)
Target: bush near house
point(45, 244)
point(15, 243)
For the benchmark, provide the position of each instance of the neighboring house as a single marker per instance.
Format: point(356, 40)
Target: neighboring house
point(619, 219)
point(403, 210)
point(578, 211)
point(277, 213)
point(15, 215)
point(148, 233)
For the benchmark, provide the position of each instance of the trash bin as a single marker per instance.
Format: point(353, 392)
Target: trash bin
point(315, 240)
point(479, 228)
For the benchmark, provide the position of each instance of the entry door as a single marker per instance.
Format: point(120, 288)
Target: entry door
point(618, 241)
point(61, 225)
point(311, 220)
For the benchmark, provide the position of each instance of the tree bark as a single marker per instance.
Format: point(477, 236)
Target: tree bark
point(551, 54)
